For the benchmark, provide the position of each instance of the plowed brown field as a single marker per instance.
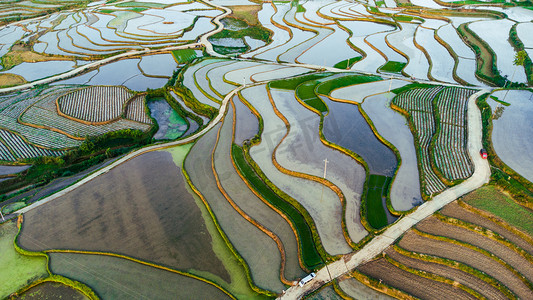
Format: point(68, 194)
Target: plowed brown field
point(415, 285)
point(416, 243)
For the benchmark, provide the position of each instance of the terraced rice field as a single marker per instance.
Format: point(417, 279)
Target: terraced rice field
point(118, 278)
point(405, 189)
point(256, 248)
point(249, 204)
point(47, 290)
point(417, 104)
point(303, 152)
point(460, 249)
point(449, 152)
point(94, 104)
point(306, 192)
point(510, 139)
point(108, 223)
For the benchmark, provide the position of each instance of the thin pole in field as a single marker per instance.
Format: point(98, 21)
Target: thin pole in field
point(390, 84)
point(2, 215)
point(325, 167)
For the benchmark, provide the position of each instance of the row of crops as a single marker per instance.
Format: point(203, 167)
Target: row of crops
point(37, 127)
point(460, 252)
point(97, 104)
point(437, 116)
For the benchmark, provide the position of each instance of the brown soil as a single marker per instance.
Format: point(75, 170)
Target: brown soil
point(16, 57)
point(7, 80)
point(416, 243)
point(455, 211)
point(462, 277)
point(434, 226)
point(140, 209)
point(51, 290)
point(417, 286)
point(246, 13)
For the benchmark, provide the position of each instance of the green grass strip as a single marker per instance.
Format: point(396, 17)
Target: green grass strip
point(310, 255)
point(347, 63)
point(293, 83)
point(377, 189)
point(183, 56)
point(393, 67)
point(326, 87)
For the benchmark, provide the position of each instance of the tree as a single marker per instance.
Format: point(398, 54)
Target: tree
point(519, 59)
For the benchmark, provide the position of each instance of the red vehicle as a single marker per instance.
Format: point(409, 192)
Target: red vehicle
point(483, 153)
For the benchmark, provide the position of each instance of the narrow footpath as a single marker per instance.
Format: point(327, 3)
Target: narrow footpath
point(351, 261)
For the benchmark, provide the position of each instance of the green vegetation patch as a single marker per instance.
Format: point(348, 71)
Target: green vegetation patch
point(499, 101)
point(229, 50)
point(49, 290)
point(347, 63)
point(17, 270)
point(293, 83)
point(393, 67)
point(376, 192)
point(410, 87)
point(141, 4)
point(12, 207)
point(183, 56)
point(326, 87)
point(243, 29)
point(310, 256)
point(498, 203)
point(306, 93)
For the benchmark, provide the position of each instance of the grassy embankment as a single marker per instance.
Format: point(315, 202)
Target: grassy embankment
point(393, 67)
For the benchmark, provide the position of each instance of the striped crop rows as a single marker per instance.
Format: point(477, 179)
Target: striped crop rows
point(450, 153)
point(94, 104)
point(418, 104)
point(135, 110)
point(23, 149)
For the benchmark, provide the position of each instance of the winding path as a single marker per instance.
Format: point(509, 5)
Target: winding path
point(380, 243)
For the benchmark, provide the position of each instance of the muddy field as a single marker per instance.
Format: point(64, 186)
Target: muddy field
point(140, 209)
point(117, 278)
point(357, 290)
point(462, 277)
point(50, 291)
point(434, 226)
point(417, 286)
point(455, 211)
point(416, 243)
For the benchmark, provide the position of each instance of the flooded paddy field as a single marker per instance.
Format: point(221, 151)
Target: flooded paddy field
point(511, 130)
point(302, 151)
point(130, 206)
point(171, 124)
point(241, 195)
point(346, 127)
point(118, 278)
point(393, 127)
point(256, 248)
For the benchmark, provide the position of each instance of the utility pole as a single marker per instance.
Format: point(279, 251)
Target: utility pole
point(325, 167)
point(244, 81)
point(2, 215)
point(390, 84)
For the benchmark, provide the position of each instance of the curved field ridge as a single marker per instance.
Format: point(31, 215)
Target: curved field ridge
point(417, 105)
point(513, 129)
point(449, 151)
point(420, 243)
point(462, 277)
point(98, 104)
point(391, 125)
point(420, 287)
point(117, 278)
point(135, 209)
